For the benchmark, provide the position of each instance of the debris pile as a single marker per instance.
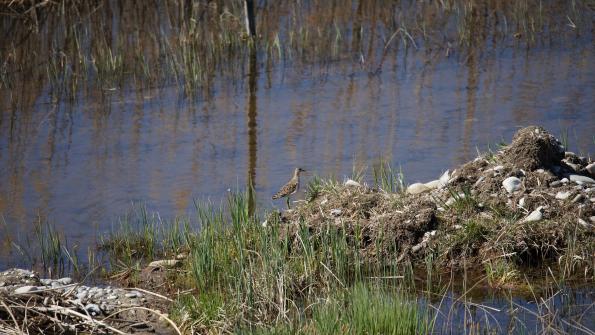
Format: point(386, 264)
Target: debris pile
point(49, 306)
point(532, 202)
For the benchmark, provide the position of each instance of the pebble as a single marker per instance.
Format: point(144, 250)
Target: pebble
point(166, 263)
point(591, 169)
point(536, 215)
point(25, 289)
point(579, 197)
point(336, 212)
point(511, 184)
point(563, 195)
point(81, 295)
point(592, 219)
point(555, 183)
point(93, 309)
point(522, 202)
point(65, 280)
point(46, 282)
point(133, 294)
point(417, 188)
point(112, 297)
point(352, 183)
point(564, 180)
point(265, 223)
point(578, 178)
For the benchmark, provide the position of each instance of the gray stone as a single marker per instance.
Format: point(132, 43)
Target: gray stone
point(578, 178)
point(25, 289)
point(133, 294)
point(555, 183)
point(591, 169)
point(112, 297)
point(564, 180)
point(336, 212)
point(65, 280)
point(592, 219)
point(93, 309)
point(352, 183)
point(563, 195)
point(511, 184)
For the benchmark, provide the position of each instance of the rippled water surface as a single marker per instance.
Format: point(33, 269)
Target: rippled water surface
point(80, 160)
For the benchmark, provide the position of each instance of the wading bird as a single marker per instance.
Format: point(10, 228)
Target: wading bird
point(291, 187)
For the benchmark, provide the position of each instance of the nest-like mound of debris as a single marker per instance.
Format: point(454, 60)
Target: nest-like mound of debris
point(531, 202)
point(58, 306)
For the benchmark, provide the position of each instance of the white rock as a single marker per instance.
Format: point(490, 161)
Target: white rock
point(93, 309)
point(65, 280)
point(536, 215)
point(165, 263)
point(458, 226)
point(46, 282)
point(564, 180)
point(592, 218)
point(433, 184)
point(112, 297)
point(336, 212)
point(25, 289)
point(522, 202)
point(563, 195)
point(352, 183)
point(417, 188)
point(265, 223)
point(511, 184)
point(578, 178)
point(81, 295)
point(591, 169)
point(444, 179)
point(133, 294)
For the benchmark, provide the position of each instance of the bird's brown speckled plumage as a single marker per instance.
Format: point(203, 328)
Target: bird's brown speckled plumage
point(291, 187)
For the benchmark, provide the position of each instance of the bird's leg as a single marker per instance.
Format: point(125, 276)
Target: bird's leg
point(288, 207)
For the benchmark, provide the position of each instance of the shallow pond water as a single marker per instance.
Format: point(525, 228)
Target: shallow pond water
point(80, 161)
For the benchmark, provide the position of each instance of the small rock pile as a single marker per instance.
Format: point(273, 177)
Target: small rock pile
point(33, 300)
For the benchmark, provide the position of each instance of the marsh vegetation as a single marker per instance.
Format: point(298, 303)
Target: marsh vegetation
point(111, 101)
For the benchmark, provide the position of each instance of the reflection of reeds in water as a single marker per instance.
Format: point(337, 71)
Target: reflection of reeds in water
point(189, 44)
